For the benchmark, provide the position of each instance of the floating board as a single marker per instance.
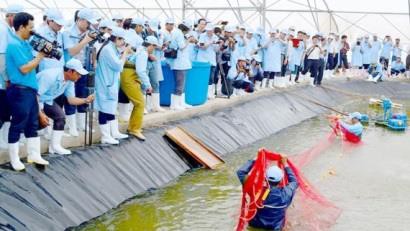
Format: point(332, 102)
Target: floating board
point(194, 147)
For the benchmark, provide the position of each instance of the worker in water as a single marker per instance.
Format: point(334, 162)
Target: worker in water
point(272, 215)
point(352, 125)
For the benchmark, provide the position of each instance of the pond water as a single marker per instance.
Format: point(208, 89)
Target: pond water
point(370, 183)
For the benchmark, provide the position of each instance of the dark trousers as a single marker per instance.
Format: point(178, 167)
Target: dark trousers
point(312, 65)
point(212, 76)
point(343, 61)
point(5, 113)
point(245, 85)
point(396, 72)
point(330, 62)
point(320, 68)
point(258, 76)
point(366, 66)
point(226, 88)
point(24, 112)
point(335, 61)
point(81, 91)
point(122, 98)
point(385, 62)
point(104, 118)
point(269, 75)
point(56, 113)
point(297, 71)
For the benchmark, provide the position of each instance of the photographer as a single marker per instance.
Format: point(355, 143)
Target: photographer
point(207, 48)
point(6, 28)
point(256, 72)
point(107, 77)
point(227, 46)
point(240, 75)
point(22, 93)
point(272, 59)
point(135, 82)
point(55, 86)
point(75, 40)
point(183, 42)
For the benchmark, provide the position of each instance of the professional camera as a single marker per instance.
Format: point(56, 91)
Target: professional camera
point(39, 44)
point(97, 35)
point(358, 43)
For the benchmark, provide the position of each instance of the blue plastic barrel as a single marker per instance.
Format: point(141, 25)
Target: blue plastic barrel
point(196, 84)
point(167, 86)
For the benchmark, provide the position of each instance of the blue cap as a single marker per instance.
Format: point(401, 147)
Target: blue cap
point(14, 9)
point(355, 115)
point(88, 15)
point(274, 174)
point(138, 21)
point(152, 40)
point(118, 32)
point(56, 16)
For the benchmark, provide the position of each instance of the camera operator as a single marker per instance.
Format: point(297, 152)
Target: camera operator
point(54, 83)
point(75, 40)
point(207, 47)
point(227, 46)
point(110, 63)
point(240, 75)
point(22, 93)
point(6, 28)
point(256, 71)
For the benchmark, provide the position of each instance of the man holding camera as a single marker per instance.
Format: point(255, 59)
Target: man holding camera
point(240, 75)
point(6, 28)
point(53, 83)
point(75, 40)
point(22, 93)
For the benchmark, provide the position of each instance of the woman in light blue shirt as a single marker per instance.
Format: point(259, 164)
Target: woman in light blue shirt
point(272, 59)
point(182, 41)
point(109, 66)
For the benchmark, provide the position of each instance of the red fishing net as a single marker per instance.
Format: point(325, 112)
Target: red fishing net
point(310, 211)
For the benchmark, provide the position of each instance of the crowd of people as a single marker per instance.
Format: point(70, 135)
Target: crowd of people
point(53, 74)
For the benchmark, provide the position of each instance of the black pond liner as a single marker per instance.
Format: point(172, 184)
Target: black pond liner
point(90, 182)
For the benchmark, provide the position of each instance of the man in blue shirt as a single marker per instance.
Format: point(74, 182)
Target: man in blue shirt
point(272, 215)
point(22, 93)
point(6, 27)
point(353, 125)
point(56, 85)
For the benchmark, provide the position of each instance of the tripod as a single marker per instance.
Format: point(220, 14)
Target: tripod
point(89, 117)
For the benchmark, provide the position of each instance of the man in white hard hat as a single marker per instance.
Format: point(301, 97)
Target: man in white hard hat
point(272, 214)
point(6, 28)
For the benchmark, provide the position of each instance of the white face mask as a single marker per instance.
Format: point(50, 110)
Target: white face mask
point(107, 35)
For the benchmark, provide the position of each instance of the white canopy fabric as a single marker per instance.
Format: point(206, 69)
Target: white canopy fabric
point(351, 17)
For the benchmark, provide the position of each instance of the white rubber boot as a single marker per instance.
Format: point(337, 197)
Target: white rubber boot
point(270, 83)
point(55, 145)
point(211, 91)
point(312, 82)
point(15, 161)
point(264, 81)
point(72, 125)
point(115, 132)
point(106, 137)
point(124, 112)
point(176, 103)
point(4, 135)
point(257, 85)
point(81, 121)
point(156, 107)
point(34, 152)
point(235, 92)
point(148, 103)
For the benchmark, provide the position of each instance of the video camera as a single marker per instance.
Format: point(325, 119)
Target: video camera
point(97, 35)
point(39, 44)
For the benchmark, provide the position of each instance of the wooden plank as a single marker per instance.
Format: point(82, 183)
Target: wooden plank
point(194, 147)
